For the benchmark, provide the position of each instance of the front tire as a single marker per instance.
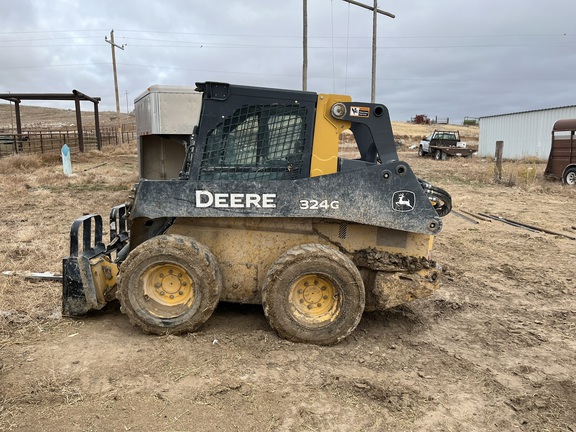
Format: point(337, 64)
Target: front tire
point(169, 284)
point(421, 152)
point(313, 294)
point(569, 177)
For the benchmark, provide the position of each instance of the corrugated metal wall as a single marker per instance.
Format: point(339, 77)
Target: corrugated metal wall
point(525, 134)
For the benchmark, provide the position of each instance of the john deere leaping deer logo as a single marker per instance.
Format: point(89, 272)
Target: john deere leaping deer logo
point(403, 201)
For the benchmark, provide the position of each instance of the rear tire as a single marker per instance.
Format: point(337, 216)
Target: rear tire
point(169, 284)
point(440, 155)
point(569, 177)
point(313, 294)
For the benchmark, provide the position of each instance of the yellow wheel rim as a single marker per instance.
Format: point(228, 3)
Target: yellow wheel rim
point(314, 299)
point(170, 287)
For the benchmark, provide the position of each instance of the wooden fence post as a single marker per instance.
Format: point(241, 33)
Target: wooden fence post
point(498, 160)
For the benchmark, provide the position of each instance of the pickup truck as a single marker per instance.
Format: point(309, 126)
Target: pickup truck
point(443, 144)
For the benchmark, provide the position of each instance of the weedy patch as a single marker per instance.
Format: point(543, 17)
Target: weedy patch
point(27, 163)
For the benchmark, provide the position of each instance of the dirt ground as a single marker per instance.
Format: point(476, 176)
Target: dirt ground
point(492, 350)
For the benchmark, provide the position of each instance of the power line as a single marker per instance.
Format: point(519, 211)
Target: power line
point(235, 72)
point(375, 12)
point(259, 36)
point(208, 45)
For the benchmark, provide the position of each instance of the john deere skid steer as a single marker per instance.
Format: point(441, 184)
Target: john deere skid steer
point(243, 198)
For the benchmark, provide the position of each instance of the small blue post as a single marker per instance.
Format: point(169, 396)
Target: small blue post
point(66, 162)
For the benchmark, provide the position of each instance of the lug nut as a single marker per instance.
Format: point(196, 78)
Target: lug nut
point(310, 306)
point(180, 292)
point(301, 300)
point(161, 275)
point(162, 293)
point(171, 296)
point(157, 284)
point(183, 283)
point(323, 288)
point(319, 305)
point(325, 297)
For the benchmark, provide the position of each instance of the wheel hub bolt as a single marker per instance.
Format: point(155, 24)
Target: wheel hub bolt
point(170, 271)
point(161, 275)
point(171, 296)
point(301, 301)
point(319, 304)
point(310, 306)
point(162, 293)
point(180, 292)
point(325, 297)
point(158, 285)
point(184, 284)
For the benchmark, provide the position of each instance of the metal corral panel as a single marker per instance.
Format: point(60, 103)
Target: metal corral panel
point(525, 134)
point(167, 110)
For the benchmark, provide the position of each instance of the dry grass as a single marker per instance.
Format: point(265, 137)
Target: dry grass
point(410, 134)
point(525, 174)
point(414, 133)
point(27, 163)
point(39, 203)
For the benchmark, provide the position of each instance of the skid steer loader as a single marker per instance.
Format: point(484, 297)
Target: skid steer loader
point(243, 198)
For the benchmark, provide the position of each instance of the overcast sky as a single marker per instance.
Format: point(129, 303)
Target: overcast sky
point(445, 58)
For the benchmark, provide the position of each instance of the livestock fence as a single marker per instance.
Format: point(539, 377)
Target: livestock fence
point(51, 141)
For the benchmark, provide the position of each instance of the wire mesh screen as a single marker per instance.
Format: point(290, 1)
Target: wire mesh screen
point(257, 142)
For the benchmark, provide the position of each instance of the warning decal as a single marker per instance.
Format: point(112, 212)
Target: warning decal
point(359, 111)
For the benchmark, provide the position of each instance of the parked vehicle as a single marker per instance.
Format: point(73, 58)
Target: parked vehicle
point(243, 198)
point(444, 144)
point(562, 159)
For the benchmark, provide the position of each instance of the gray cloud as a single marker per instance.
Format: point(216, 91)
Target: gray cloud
point(444, 58)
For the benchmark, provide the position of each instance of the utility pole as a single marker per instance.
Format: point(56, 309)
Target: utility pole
point(305, 45)
point(127, 112)
point(375, 11)
point(113, 45)
point(11, 118)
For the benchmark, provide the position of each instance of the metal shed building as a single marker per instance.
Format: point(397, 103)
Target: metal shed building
point(525, 134)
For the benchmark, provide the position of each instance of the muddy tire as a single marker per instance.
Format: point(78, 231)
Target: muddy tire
point(313, 294)
point(169, 284)
point(569, 177)
point(421, 152)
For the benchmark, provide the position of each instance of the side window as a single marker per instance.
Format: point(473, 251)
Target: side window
point(562, 135)
point(256, 142)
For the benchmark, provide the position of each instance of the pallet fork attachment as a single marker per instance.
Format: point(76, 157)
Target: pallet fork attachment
point(89, 272)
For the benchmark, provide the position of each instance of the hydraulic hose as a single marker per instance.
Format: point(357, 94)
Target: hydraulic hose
point(439, 198)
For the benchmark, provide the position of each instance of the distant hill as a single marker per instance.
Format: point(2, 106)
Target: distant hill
point(34, 117)
point(40, 118)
